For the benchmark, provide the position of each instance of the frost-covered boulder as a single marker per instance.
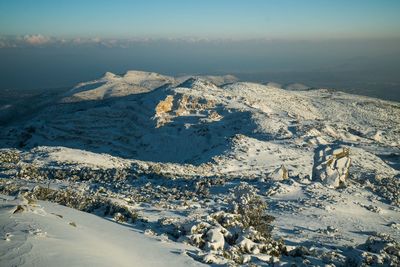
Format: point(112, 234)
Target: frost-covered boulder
point(280, 174)
point(215, 239)
point(332, 166)
point(248, 246)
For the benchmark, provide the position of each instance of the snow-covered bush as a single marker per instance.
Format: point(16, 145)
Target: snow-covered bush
point(73, 199)
point(9, 156)
point(378, 250)
point(387, 188)
point(251, 209)
point(243, 229)
point(119, 217)
point(30, 171)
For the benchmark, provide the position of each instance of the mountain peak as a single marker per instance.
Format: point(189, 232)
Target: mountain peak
point(109, 76)
point(197, 83)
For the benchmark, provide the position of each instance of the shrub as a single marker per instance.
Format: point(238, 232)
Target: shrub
point(252, 209)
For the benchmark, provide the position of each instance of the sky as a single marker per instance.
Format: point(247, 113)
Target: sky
point(210, 19)
point(343, 44)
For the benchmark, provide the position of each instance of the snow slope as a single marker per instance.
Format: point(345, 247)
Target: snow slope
point(47, 234)
point(173, 150)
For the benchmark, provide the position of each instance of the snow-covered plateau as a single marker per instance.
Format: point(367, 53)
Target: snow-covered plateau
point(143, 169)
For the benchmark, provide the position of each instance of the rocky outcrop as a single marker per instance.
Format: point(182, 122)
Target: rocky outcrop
point(162, 109)
point(331, 167)
point(280, 174)
point(183, 105)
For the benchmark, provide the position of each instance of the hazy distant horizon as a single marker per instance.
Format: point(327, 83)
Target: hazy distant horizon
point(367, 68)
point(349, 45)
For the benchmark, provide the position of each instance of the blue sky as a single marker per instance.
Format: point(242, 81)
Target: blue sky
point(239, 19)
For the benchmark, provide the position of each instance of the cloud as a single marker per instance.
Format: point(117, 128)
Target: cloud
point(37, 39)
point(41, 41)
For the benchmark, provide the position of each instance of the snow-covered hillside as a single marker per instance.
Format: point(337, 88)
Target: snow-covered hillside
point(47, 234)
point(175, 151)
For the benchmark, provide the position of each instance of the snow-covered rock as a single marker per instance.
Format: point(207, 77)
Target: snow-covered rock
point(333, 166)
point(280, 173)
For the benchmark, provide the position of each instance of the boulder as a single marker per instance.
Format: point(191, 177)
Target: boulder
point(332, 166)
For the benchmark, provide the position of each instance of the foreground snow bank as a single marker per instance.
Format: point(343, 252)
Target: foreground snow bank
point(47, 234)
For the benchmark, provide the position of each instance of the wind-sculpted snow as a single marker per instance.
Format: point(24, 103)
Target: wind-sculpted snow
point(173, 151)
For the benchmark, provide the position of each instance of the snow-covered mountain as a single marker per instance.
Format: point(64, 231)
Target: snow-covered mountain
point(326, 162)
